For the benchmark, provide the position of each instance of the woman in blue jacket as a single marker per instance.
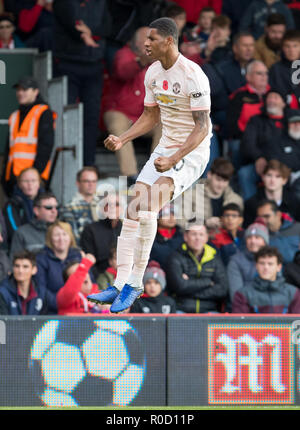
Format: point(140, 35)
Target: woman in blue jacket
point(60, 249)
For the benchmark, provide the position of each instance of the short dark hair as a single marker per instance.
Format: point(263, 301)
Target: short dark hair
point(222, 167)
point(276, 19)
point(232, 207)
point(238, 36)
point(265, 202)
point(206, 9)
point(25, 255)
point(166, 27)
point(291, 35)
point(43, 196)
point(269, 251)
point(174, 10)
point(67, 266)
point(87, 169)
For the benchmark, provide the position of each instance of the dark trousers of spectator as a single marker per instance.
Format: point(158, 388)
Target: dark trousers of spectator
point(85, 82)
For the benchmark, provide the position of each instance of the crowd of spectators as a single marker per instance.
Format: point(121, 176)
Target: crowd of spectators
point(232, 243)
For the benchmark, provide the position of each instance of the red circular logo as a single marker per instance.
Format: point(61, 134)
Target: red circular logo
point(165, 85)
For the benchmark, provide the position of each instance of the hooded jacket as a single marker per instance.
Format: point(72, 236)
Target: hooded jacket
point(49, 275)
point(255, 17)
point(163, 247)
point(287, 238)
point(30, 236)
point(241, 270)
point(267, 297)
point(206, 286)
point(281, 78)
point(11, 302)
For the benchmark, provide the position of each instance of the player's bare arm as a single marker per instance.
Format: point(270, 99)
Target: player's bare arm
point(146, 122)
point(200, 131)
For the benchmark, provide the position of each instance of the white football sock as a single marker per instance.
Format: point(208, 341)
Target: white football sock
point(143, 245)
point(125, 250)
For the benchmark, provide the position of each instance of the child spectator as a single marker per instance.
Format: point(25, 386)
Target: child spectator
point(19, 293)
point(218, 44)
point(230, 237)
point(71, 298)
point(268, 293)
point(153, 300)
point(108, 277)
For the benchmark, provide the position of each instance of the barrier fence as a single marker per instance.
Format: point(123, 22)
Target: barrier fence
point(150, 360)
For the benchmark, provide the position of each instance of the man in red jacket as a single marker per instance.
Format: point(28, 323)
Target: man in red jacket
point(71, 298)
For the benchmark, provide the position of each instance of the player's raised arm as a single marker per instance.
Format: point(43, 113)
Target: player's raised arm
point(146, 122)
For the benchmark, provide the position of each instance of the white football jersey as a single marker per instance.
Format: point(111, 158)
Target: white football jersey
point(178, 91)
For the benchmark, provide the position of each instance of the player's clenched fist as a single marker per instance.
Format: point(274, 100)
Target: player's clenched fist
point(162, 164)
point(113, 143)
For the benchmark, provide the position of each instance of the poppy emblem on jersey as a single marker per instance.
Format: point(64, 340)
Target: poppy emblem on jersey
point(176, 88)
point(179, 165)
point(165, 85)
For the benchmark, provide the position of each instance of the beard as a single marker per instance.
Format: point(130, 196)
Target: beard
point(273, 110)
point(274, 45)
point(294, 134)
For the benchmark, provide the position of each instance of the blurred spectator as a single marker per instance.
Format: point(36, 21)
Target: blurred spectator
point(31, 135)
point(228, 75)
point(8, 38)
point(124, 101)
point(71, 298)
point(154, 301)
point(82, 209)
point(1, 6)
point(35, 16)
point(98, 237)
point(234, 10)
point(108, 277)
point(168, 238)
point(260, 130)
point(32, 236)
point(60, 248)
point(218, 44)
point(79, 48)
point(246, 101)
point(281, 73)
point(19, 293)
point(216, 194)
point(194, 39)
point(268, 46)
point(292, 271)
point(230, 237)
point(5, 265)
point(18, 210)
point(3, 230)
point(178, 14)
point(196, 277)
point(241, 267)
point(194, 7)
point(275, 177)
point(268, 293)
point(283, 230)
point(255, 17)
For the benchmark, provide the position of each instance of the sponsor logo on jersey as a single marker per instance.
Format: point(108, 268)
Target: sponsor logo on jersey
point(166, 100)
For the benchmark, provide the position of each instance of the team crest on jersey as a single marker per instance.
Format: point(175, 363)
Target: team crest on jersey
point(176, 88)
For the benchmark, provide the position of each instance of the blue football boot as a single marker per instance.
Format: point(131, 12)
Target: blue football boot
point(126, 298)
point(105, 297)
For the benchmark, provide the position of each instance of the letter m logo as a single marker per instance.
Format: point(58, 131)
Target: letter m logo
point(250, 364)
point(2, 72)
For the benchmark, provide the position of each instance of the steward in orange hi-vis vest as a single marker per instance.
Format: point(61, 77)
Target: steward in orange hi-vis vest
point(31, 140)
